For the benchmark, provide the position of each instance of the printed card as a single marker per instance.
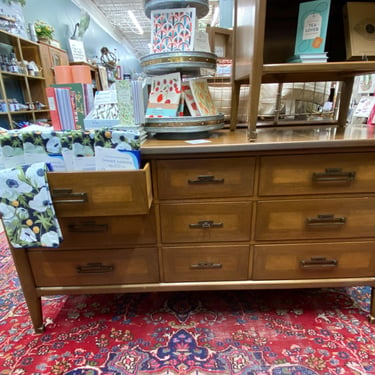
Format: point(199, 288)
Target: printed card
point(165, 96)
point(173, 30)
point(189, 100)
point(202, 97)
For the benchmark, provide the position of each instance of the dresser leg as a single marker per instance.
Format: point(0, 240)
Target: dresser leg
point(371, 316)
point(36, 314)
point(33, 301)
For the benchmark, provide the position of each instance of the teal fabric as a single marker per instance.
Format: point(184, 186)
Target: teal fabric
point(26, 207)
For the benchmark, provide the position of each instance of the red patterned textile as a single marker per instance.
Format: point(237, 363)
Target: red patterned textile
point(263, 332)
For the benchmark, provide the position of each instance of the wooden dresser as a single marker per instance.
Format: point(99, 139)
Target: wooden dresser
point(295, 209)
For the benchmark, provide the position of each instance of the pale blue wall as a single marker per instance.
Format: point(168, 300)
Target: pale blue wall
point(63, 15)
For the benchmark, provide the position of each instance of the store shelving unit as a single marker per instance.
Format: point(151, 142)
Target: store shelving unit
point(27, 87)
point(264, 35)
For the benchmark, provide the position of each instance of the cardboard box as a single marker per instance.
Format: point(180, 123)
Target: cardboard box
point(359, 23)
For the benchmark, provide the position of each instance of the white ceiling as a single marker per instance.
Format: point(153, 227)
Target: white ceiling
point(113, 15)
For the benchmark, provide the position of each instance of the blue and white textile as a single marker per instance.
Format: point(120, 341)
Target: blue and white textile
point(26, 207)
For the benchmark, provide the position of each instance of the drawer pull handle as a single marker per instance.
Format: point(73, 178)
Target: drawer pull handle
point(206, 265)
point(206, 224)
point(67, 196)
point(319, 262)
point(206, 180)
point(94, 268)
point(88, 227)
point(333, 175)
point(325, 219)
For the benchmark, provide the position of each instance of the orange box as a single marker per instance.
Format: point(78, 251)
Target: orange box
point(63, 74)
point(81, 74)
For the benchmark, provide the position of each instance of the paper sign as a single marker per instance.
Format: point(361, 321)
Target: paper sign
point(77, 50)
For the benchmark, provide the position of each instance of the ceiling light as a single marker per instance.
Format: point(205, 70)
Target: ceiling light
point(135, 21)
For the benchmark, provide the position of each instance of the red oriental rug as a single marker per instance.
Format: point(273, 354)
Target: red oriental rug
point(279, 332)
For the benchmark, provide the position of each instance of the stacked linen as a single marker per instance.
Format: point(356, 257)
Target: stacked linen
point(83, 150)
point(30, 145)
point(73, 150)
point(102, 149)
point(43, 146)
point(11, 150)
point(117, 148)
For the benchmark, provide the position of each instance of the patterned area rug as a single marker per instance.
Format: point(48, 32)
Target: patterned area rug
point(280, 332)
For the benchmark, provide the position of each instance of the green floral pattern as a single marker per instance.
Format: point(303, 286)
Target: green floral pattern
point(118, 139)
point(26, 207)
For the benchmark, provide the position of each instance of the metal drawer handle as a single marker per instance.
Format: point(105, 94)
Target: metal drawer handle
point(69, 196)
point(89, 226)
point(206, 224)
point(333, 175)
point(325, 219)
point(206, 265)
point(95, 268)
point(206, 179)
point(319, 262)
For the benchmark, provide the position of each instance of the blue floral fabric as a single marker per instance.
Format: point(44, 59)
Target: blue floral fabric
point(26, 207)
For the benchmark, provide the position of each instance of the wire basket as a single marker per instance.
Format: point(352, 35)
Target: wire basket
point(287, 103)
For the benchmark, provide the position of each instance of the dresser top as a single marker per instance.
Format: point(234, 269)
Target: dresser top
point(268, 139)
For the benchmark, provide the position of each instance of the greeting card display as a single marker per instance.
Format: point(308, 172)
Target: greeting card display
point(172, 30)
point(175, 109)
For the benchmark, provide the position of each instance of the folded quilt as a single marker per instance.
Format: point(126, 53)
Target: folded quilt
point(26, 207)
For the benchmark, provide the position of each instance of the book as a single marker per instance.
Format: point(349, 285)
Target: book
point(140, 94)
point(79, 94)
point(54, 112)
point(65, 108)
point(312, 27)
point(130, 101)
point(164, 98)
point(202, 97)
point(125, 102)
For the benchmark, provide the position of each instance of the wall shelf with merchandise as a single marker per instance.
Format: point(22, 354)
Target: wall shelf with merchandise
point(22, 85)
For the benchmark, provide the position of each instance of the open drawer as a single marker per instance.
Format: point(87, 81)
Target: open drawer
point(101, 193)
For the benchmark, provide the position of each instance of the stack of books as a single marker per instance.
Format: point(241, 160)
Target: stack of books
point(69, 104)
point(122, 106)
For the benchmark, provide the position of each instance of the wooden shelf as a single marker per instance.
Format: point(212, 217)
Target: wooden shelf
point(310, 72)
point(24, 87)
point(256, 36)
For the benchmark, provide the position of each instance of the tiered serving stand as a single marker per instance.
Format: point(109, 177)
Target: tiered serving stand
point(189, 64)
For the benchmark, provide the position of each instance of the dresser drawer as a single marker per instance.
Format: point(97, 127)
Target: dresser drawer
point(201, 263)
point(205, 222)
point(315, 218)
point(314, 261)
point(205, 178)
point(94, 267)
point(317, 174)
point(107, 231)
point(101, 193)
